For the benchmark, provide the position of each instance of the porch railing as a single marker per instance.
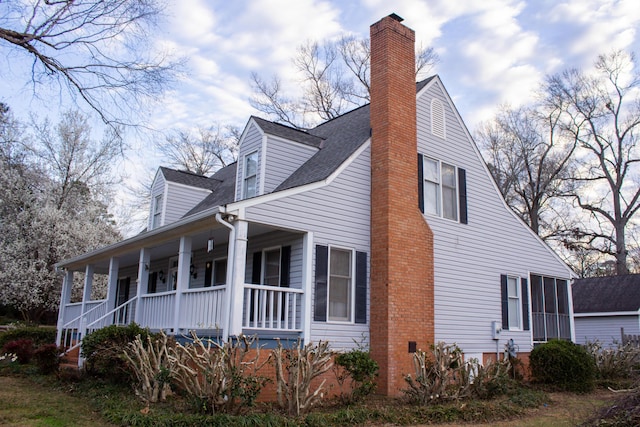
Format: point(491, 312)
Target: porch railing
point(272, 308)
point(70, 333)
point(157, 310)
point(203, 308)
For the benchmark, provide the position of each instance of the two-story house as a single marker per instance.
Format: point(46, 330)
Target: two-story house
point(382, 226)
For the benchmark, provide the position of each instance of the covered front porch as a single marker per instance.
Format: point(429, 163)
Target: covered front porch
point(220, 276)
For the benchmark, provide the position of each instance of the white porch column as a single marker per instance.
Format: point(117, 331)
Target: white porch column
point(307, 285)
point(88, 285)
point(112, 289)
point(184, 262)
point(142, 282)
point(65, 298)
point(236, 287)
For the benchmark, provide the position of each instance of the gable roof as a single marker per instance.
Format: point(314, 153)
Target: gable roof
point(287, 132)
point(606, 294)
point(189, 178)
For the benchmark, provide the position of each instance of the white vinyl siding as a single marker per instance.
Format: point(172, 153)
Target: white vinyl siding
point(605, 329)
point(282, 159)
point(180, 199)
point(469, 260)
point(337, 214)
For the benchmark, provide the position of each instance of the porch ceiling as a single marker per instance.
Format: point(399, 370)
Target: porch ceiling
point(128, 251)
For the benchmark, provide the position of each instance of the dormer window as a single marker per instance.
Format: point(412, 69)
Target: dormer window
point(157, 211)
point(250, 175)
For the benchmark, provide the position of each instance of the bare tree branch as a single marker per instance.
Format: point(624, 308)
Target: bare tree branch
point(98, 50)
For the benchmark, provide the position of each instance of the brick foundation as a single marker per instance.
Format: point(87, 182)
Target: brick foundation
point(402, 302)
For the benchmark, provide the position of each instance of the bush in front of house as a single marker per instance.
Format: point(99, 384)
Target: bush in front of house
point(357, 366)
point(47, 358)
point(103, 351)
point(563, 365)
point(38, 335)
point(22, 348)
point(621, 361)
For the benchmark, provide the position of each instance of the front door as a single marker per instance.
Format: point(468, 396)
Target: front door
point(122, 295)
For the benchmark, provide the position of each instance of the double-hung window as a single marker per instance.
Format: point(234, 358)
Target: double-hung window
point(250, 175)
point(271, 267)
point(157, 211)
point(440, 189)
point(340, 284)
point(515, 307)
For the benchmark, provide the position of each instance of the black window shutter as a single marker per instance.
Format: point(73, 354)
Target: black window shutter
point(153, 282)
point(320, 309)
point(525, 304)
point(256, 272)
point(361, 287)
point(505, 302)
point(208, 271)
point(420, 183)
point(462, 194)
point(285, 263)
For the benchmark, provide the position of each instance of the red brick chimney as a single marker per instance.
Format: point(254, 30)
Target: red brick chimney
point(402, 316)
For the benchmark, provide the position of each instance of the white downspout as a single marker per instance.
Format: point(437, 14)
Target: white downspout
point(231, 250)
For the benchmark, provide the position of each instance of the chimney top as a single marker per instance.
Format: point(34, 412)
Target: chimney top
point(396, 17)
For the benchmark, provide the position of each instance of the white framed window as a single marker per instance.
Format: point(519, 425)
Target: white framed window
point(440, 188)
point(173, 273)
point(340, 289)
point(271, 267)
point(157, 211)
point(514, 302)
point(250, 180)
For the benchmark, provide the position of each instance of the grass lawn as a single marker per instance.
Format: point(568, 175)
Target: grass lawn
point(32, 401)
point(24, 402)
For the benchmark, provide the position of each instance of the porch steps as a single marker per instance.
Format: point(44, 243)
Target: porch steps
point(70, 359)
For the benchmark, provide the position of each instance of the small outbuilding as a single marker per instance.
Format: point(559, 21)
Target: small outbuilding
point(604, 306)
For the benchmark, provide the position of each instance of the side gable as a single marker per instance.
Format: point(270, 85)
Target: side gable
point(471, 258)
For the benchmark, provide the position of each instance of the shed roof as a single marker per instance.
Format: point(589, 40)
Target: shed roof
point(606, 294)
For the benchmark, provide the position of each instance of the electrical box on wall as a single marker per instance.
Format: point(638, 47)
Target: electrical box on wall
point(496, 329)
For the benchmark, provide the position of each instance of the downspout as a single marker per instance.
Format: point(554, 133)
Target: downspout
point(231, 251)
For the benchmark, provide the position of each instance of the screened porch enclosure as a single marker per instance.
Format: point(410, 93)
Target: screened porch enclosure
point(258, 286)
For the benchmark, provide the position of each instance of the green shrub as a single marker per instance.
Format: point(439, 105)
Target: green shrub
point(38, 335)
point(362, 371)
point(47, 358)
point(563, 365)
point(104, 351)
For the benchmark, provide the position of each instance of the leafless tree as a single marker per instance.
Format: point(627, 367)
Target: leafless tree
point(334, 78)
point(203, 153)
point(97, 50)
point(602, 112)
point(530, 159)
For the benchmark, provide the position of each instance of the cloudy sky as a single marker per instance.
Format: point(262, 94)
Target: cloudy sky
point(491, 51)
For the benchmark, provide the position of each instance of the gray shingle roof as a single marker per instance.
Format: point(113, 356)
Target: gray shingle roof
point(288, 132)
point(222, 193)
point(188, 178)
point(336, 139)
point(606, 294)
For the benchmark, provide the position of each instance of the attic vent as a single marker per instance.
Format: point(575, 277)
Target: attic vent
point(437, 118)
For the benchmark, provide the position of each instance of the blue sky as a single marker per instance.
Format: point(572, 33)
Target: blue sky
point(491, 51)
